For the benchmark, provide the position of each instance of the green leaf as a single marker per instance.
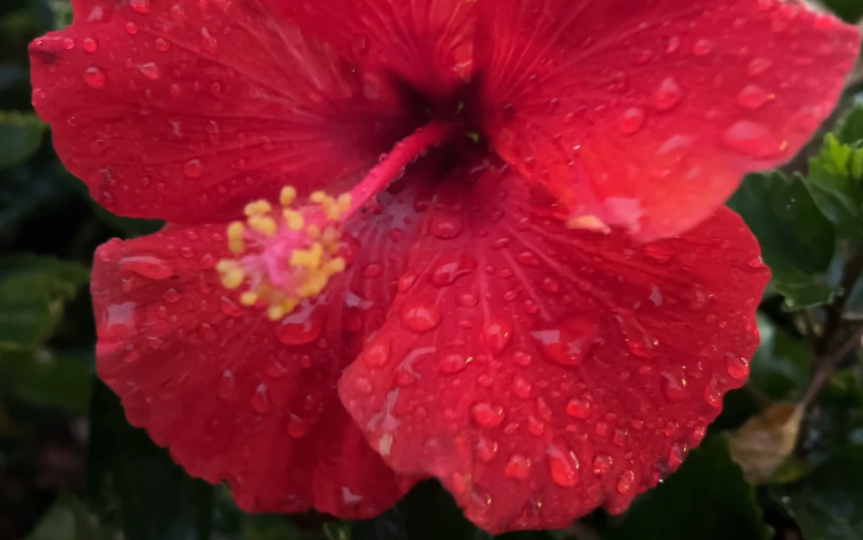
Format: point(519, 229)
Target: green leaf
point(68, 519)
point(47, 378)
point(849, 10)
point(706, 499)
point(24, 189)
point(797, 241)
point(20, 137)
point(136, 486)
point(33, 291)
point(828, 505)
point(851, 130)
point(781, 365)
point(794, 235)
point(835, 180)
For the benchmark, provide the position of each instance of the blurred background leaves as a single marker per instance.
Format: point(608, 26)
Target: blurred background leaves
point(71, 468)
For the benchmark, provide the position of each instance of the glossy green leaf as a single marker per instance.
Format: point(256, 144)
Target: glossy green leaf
point(33, 291)
point(828, 504)
point(850, 10)
point(707, 499)
point(836, 181)
point(135, 485)
point(43, 377)
point(781, 365)
point(20, 137)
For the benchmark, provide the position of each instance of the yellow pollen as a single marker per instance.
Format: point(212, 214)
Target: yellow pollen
point(287, 196)
point(235, 237)
point(309, 265)
point(263, 224)
point(231, 274)
point(257, 208)
point(591, 223)
point(293, 219)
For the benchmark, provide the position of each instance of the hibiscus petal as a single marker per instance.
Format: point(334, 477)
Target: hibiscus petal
point(429, 43)
point(539, 372)
point(647, 114)
point(187, 110)
point(235, 396)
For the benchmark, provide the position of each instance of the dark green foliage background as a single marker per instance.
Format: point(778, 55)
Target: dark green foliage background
point(71, 468)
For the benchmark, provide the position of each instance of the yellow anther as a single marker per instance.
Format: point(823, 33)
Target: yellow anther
point(344, 202)
point(287, 196)
point(249, 298)
point(335, 266)
point(231, 274)
point(310, 258)
point(330, 240)
point(591, 223)
point(235, 237)
point(294, 219)
point(290, 304)
point(275, 312)
point(318, 197)
point(313, 285)
point(258, 208)
point(263, 224)
point(313, 231)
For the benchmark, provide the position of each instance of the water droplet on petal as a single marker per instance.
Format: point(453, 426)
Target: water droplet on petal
point(131, 28)
point(147, 266)
point(601, 464)
point(569, 342)
point(577, 408)
point(140, 6)
point(626, 482)
point(228, 387)
point(229, 308)
point(712, 395)
point(753, 97)
point(703, 47)
point(260, 400)
point(452, 363)
point(752, 139)
point(675, 456)
point(632, 120)
point(302, 326)
point(496, 334)
point(521, 388)
point(486, 450)
point(297, 427)
point(517, 467)
point(737, 367)
point(420, 315)
point(94, 77)
point(68, 44)
point(162, 45)
point(376, 355)
point(674, 386)
point(193, 168)
point(150, 70)
point(668, 95)
point(446, 226)
point(90, 45)
point(758, 66)
point(563, 466)
point(486, 414)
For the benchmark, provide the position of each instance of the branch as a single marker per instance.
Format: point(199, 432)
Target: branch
point(825, 366)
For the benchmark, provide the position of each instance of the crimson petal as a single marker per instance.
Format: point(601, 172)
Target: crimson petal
point(186, 110)
point(429, 43)
point(646, 114)
point(237, 397)
point(540, 372)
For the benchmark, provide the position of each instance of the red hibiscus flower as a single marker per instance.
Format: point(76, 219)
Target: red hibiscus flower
point(501, 259)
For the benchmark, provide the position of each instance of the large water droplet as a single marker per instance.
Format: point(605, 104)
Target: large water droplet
point(486, 414)
point(496, 334)
point(601, 464)
point(446, 226)
point(517, 467)
point(674, 386)
point(667, 95)
point(738, 367)
point(90, 45)
point(676, 454)
point(563, 466)
point(521, 388)
point(260, 400)
point(140, 6)
point(94, 77)
point(147, 266)
point(450, 269)
point(569, 342)
point(486, 450)
point(626, 482)
point(302, 326)
point(421, 314)
point(376, 355)
point(632, 120)
point(193, 168)
point(752, 139)
point(753, 97)
point(712, 395)
point(577, 408)
point(228, 387)
point(150, 70)
point(453, 363)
